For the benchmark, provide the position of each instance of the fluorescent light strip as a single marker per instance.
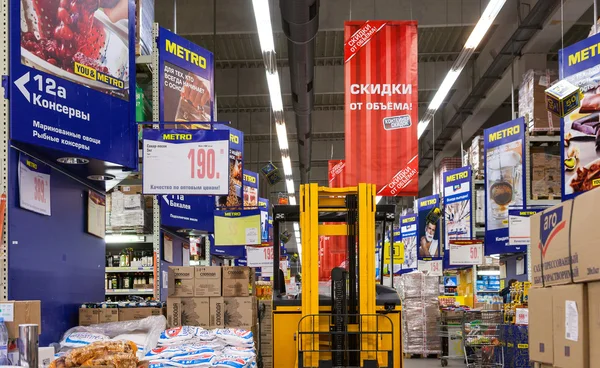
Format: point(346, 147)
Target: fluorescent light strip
point(263, 24)
point(262, 15)
point(481, 28)
point(296, 226)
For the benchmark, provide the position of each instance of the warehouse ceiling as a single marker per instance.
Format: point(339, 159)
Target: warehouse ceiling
point(481, 96)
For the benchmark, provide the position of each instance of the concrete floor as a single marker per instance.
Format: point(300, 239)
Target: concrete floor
point(431, 363)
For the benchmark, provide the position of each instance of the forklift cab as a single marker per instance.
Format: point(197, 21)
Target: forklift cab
point(349, 320)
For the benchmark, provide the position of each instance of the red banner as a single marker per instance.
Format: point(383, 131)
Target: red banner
point(336, 173)
point(381, 106)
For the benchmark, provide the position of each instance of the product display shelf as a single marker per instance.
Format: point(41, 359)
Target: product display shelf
point(129, 291)
point(129, 269)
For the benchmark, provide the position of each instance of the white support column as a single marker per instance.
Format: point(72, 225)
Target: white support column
point(4, 124)
point(156, 117)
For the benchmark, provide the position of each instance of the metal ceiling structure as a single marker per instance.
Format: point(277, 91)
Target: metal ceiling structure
point(526, 34)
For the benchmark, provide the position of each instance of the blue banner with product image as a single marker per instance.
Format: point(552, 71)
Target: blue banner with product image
point(429, 220)
point(186, 73)
point(70, 85)
point(408, 236)
point(458, 219)
point(265, 224)
point(579, 64)
point(504, 153)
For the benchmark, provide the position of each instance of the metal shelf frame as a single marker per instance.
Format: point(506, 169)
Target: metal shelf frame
point(4, 138)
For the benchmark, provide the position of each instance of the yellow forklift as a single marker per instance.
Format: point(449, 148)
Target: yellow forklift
point(353, 321)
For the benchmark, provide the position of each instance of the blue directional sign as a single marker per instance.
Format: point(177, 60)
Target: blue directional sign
point(188, 212)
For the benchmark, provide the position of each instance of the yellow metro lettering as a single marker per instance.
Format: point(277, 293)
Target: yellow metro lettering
point(31, 164)
point(185, 54)
point(514, 130)
point(234, 138)
point(177, 137)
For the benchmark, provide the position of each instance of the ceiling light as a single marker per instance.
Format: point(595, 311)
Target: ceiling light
point(73, 160)
point(263, 24)
point(296, 226)
point(377, 199)
point(282, 136)
point(442, 92)
point(101, 177)
point(290, 185)
point(275, 91)
point(484, 23)
point(292, 200)
point(287, 166)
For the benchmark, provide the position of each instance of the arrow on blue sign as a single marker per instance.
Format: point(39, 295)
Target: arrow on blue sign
point(20, 83)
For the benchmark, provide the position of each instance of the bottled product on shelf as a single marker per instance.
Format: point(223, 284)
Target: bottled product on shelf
point(3, 343)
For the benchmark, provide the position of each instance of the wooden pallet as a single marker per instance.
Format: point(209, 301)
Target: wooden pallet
point(422, 356)
point(544, 132)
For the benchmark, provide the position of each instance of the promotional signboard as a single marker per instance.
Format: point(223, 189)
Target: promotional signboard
point(429, 227)
point(458, 192)
point(186, 73)
point(504, 152)
point(187, 212)
point(34, 185)
point(519, 231)
point(259, 256)
point(234, 198)
point(408, 236)
point(580, 65)
point(466, 252)
point(241, 227)
point(250, 183)
point(381, 105)
point(336, 173)
point(431, 268)
point(191, 162)
point(263, 205)
point(96, 214)
point(70, 78)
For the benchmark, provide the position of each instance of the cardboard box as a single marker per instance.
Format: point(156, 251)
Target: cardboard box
point(267, 361)
point(134, 314)
point(88, 316)
point(207, 281)
point(570, 320)
point(217, 312)
point(20, 312)
point(540, 325)
point(554, 230)
point(240, 312)
point(594, 322)
point(188, 311)
point(236, 281)
point(181, 281)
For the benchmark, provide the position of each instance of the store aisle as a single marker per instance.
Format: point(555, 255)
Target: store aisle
point(430, 363)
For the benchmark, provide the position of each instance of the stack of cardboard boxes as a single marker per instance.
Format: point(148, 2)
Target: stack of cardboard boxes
point(545, 171)
point(127, 208)
point(211, 297)
point(476, 159)
point(93, 316)
point(564, 303)
point(532, 102)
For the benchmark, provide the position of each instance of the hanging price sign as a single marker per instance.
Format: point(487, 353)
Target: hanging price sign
point(34, 185)
point(432, 268)
point(259, 256)
point(194, 162)
point(466, 252)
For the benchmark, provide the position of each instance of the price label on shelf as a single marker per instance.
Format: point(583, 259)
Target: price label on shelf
point(194, 162)
point(259, 256)
point(466, 252)
point(34, 185)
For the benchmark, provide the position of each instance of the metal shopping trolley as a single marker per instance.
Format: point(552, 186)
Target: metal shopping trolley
point(450, 328)
point(481, 339)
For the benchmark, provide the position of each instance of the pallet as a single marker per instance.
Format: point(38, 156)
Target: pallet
point(422, 356)
point(537, 197)
point(535, 131)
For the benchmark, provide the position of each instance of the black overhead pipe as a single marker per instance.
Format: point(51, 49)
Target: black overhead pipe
point(300, 22)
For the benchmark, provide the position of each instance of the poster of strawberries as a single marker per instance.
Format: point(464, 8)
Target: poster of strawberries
point(83, 41)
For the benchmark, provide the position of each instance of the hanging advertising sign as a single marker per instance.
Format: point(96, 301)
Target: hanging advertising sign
point(336, 173)
point(429, 227)
point(458, 194)
point(187, 212)
point(431, 268)
point(193, 162)
point(186, 73)
point(466, 252)
point(240, 227)
point(380, 71)
point(408, 236)
point(259, 256)
point(580, 64)
point(234, 198)
point(504, 152)
point(70, 85)
point(519, 231)
point(263, 205)
point(250, 183)
point(34, 185)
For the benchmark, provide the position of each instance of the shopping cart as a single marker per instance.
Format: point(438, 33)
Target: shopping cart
point(481, 339)
point(450, 328)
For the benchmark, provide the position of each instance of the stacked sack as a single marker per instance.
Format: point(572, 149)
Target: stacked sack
point(420, 313)
point(189, 346)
